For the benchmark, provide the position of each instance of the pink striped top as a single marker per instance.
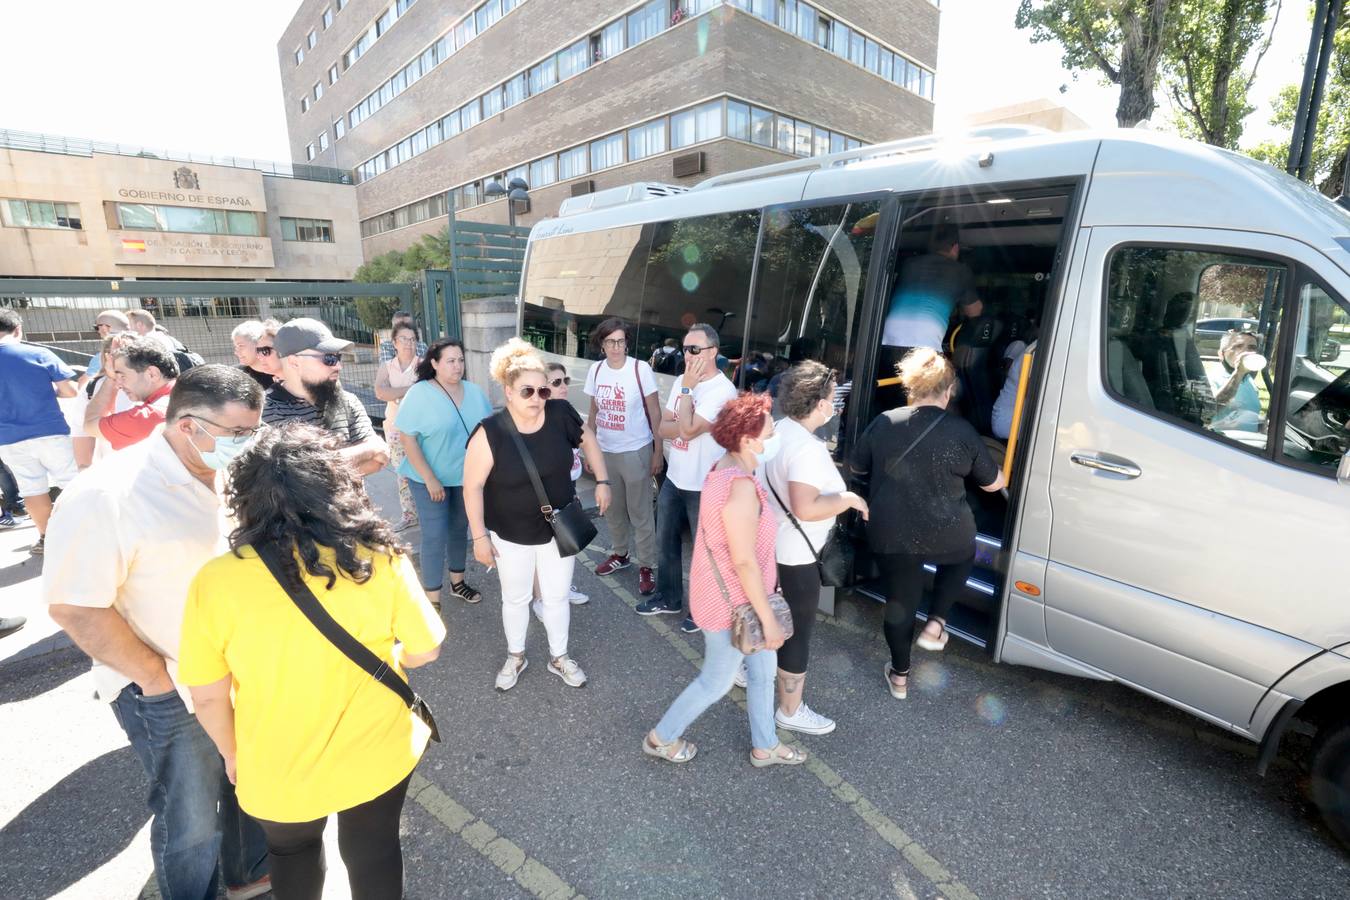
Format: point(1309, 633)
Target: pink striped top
point(706, 603)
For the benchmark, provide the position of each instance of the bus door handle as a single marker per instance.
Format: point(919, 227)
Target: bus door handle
point(1105, 462)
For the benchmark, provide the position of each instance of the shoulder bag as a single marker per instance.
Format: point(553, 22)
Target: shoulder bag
point(834, 562)
point(572, 527)
point(747, 631)
point(350, 647)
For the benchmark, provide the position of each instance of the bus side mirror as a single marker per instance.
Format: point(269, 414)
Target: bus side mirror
point(1343, 470)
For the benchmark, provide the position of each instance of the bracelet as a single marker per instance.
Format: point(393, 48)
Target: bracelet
point(479, 537)
point(604, 481)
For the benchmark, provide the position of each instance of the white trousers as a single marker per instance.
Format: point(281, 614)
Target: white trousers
point(517, 565)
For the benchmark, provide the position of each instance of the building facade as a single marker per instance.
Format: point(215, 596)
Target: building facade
point(429, 101)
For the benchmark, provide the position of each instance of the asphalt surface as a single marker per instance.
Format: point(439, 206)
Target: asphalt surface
point(989, 781)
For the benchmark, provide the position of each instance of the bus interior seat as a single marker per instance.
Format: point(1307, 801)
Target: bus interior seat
point(977, 368)
point(1171, 364)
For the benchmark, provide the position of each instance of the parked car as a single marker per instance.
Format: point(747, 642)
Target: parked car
point(1208, 333)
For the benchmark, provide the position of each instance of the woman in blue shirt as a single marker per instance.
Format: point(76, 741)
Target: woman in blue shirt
point(435, 419)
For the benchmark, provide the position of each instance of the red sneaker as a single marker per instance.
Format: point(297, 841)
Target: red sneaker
point(612, 565)
point(646, 582)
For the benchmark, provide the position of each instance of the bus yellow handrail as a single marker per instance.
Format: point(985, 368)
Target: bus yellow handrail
point(1022, 379)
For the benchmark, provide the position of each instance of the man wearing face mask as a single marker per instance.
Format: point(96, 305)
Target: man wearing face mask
point(119, 591)
point(308, 391)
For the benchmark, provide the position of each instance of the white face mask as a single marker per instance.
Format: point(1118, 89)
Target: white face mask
point(772, 445)
point(829, 416)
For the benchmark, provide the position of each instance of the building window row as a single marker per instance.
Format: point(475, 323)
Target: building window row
point(638, 26)
point(723, 117)
point(40, 214)
point(187, 219)
point(318, 231)
point(816, 26)
point(455, 39)
point(382, 23)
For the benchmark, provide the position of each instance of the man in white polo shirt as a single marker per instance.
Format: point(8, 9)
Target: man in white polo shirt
point(124, 543)
point(687, 422)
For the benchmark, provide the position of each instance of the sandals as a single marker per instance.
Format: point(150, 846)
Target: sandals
point(782, 755)
point(677, 751)
point(463, 591)
point(898, 691)
point(937, 645)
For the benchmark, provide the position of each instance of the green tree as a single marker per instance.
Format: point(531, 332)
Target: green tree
point(405, 266)
point(1124, 40)
point(1333, 122)
point(1203, 64)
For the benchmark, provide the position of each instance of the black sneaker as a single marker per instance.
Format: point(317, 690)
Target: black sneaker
point(658, 607)
point(688, 626)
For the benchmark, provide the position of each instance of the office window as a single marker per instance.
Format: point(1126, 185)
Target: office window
point(574, 60)
point(839, 39)
point(543, 172)
point(646, 22)
point(465, 32)
point(738, 120)
point(709, 119)
point(610, 41)
point(311, 40)
point(702, 123)
point(492, 102)
point(515, 90)
point(836, 142)
point(41, 214)
point(572, 163)
point(822, 142)
point(318, 231)
point(543, 76)
point(304, 104)
point(885, 63)
point(327, 18)
point(385, 21)
point(309, 151)
point(787, 134)
point(926, 86)
point(682, 129)
point(761, 127)
point(318, 89)
point(433, 133)
point(857, 49)
point(402, 5)
point(873, 54)
point(323, 140)
point(339, 128)
point(647, 140)
point(487, 15)
point(299, 55)
point(137, 217)
point(450, 125)
point(333, 74)
point(804, 144)
point(607, 152)
point(341, 5)
point(806, 22)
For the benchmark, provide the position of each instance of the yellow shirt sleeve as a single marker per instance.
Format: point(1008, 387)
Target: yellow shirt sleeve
point(416, 625)
point(201, 650)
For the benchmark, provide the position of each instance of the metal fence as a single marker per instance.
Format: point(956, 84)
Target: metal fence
point(486, 260)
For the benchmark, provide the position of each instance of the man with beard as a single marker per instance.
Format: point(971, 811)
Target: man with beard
point(307, 390)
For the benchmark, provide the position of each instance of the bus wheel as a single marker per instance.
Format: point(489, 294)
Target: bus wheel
point(1331, 779)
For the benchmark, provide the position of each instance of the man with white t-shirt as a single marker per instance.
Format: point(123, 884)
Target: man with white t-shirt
point(695, 402)
point(625, 405)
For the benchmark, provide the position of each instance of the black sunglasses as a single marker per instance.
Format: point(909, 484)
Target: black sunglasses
point(559, 382)
point(263, 351)
point(329, 359)
point(527, 392)
point(695, 350)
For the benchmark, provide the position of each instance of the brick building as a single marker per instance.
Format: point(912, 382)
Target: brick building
point(429, 101)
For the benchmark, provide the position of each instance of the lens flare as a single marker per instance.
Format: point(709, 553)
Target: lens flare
point(689, 281)
point(991, 709)
point(931, 676)
point(691, 254)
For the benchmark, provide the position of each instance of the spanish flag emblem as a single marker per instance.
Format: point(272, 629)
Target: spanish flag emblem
point(134, 246)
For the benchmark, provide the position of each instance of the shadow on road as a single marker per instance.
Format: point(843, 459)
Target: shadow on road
point(43, 667)
point(81, 823)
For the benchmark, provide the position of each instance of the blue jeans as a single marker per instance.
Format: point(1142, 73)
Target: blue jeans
point(199, 834)
point(445, 533)
point(10, 501)
point(673, 508)
point(720, 662)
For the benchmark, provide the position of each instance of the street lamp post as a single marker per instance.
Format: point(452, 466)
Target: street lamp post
point(517, 190)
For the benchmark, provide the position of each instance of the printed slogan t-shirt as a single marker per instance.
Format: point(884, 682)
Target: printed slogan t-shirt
point(620, 423)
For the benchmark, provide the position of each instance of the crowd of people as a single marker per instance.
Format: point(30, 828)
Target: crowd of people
point(223, 500)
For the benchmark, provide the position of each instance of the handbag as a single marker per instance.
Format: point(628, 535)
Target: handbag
point(834, 562)
point(572, 527)
point(747, 631)
point(350, 647)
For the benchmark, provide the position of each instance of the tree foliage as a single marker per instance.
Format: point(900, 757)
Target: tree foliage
point(1333, 121)
point(405, 266)
point(1204, 65)
point(1124, 40)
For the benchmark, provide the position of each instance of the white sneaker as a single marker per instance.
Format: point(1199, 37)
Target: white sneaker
point(537, 607)
point(806, 720)
point(568, 671)
point(510, 673)
point(741, 679)
point(576, 597)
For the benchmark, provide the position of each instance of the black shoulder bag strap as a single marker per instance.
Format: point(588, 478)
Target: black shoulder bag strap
point(544, 506)
point(463, 424)
point(791, 517)
point(340, 638)
point(895, 463)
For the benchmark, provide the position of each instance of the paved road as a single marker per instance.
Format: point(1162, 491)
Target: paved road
point(990, 781)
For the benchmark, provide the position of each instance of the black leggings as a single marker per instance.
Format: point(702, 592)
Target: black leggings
point(902, 576)
point(367, 839)
point(801, 589)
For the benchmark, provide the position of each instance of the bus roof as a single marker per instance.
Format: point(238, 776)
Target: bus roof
point(1135, 178)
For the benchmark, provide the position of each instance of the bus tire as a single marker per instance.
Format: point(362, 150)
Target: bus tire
point(1331, 779)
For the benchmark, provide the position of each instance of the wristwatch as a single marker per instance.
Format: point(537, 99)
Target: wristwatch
point(685, 390)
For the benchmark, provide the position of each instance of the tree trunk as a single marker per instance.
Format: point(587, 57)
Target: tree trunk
point(1223, 74)
point(1143, 30)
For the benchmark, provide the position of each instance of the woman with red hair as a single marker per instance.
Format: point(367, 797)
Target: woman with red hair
point(736, 532)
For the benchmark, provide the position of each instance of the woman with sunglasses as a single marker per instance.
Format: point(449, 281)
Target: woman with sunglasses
point(435, 418)
point(392, 382)
point(506, 524)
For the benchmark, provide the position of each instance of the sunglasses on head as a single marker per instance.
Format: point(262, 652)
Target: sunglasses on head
point(527, 392)
point(695, 349)
point(329, 359)
point(560, 381)
point(263, 351)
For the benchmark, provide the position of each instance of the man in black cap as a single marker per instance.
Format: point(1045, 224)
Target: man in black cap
point(308, 391)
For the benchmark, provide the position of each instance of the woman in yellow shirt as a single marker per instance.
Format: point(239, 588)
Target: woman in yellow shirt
point(308, 732)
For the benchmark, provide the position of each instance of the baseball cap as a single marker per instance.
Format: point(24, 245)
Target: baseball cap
point(306, 334)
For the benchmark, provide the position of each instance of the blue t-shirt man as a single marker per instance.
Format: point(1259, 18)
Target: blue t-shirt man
point(28, 407)
point(929, 288)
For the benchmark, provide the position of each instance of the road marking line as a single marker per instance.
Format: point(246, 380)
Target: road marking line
point(505, 854)
point(885, 828)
